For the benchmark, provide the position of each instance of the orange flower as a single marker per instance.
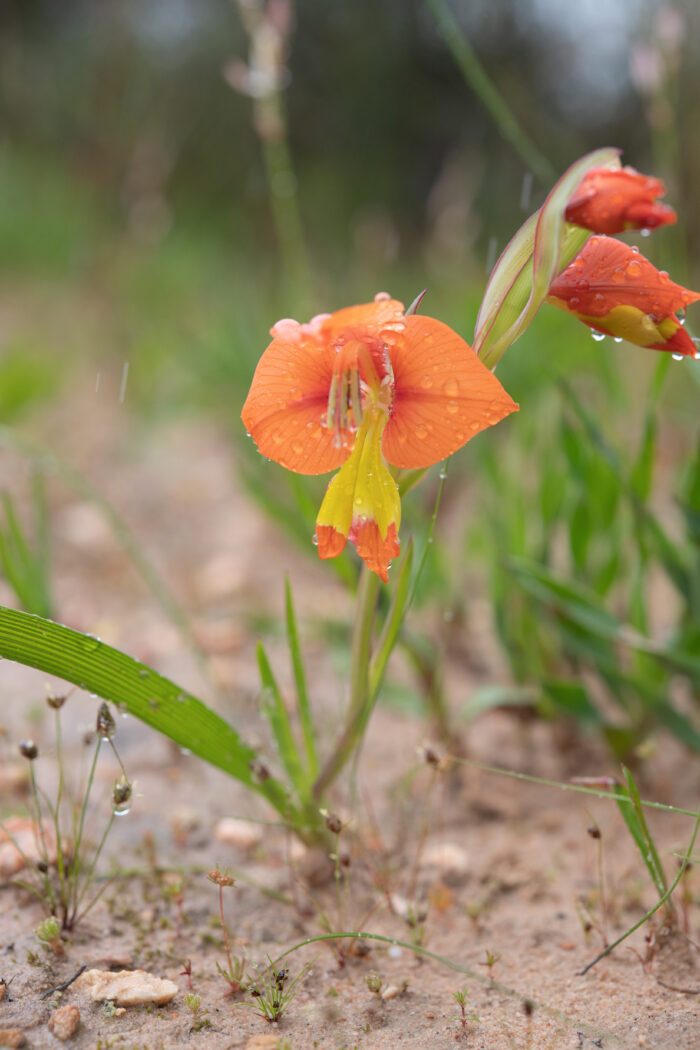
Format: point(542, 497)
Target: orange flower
point(612, 288)
point(610, 200)
point(359, 389)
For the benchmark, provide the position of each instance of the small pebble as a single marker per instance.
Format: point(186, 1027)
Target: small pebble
point(11, 1037)
point(262, 1042)
point(237, 832)
point(65, 1022)
point(127, 987)
point(390, 992)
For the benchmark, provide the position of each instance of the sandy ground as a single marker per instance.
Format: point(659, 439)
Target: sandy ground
point(496, 865)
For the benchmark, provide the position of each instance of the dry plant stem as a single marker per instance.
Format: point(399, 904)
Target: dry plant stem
point(46, 879)
point(360, 697)
point(223, 929)
point(423, 834)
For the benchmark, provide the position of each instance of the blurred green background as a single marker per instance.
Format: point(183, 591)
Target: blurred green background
point(176, 175)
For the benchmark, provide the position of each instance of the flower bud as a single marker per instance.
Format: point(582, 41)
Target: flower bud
point(28, 749)
point(106, 726)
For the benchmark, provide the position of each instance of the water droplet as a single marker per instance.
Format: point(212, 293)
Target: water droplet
point(645, 232)
point(451, 387)
point(143, 672)
point(599, 299)
point(122, 809)
point(633, 268)
point(277, 437)
point(358, 501)
point(426, 382)
point(574, 300)
point(598, 336)
point(635, 249)
point(696, 355)
point(381, 297)
point(314, 540)
point(617, 339)
point(618, 275)
point(185, 751)
point(452, 408)
point(91, 642)
point(678, 357)
point(297, 448)
point(474, 427)
point(421, 431)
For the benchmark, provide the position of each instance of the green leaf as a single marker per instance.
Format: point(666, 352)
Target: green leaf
point(276, 713)
point(491, 696)
point(98, 668)
point(634, 819)
point(303, 704)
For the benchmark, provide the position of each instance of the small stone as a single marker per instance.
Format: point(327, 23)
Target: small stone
point(3, 989)
point(127, 987)
point(25, 834)
point(65, 1022)
point(447, 856)
point(390, 992)
point(235, 832)
point(262, 1042)
point(11, 1037)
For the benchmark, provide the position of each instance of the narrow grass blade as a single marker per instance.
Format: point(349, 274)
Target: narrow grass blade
point(392, 624)
point(633, 817)
point(303, 703)
point(278, 717)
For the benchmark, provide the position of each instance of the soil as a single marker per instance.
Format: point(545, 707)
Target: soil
point(496, 865)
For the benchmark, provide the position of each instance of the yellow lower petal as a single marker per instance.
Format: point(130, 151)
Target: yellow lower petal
point(363, 490)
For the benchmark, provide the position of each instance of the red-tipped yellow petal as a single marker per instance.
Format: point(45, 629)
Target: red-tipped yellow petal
point(288, 399)
point(613, 200)
point(362, 502)
point(443, 395)
point(611, 287)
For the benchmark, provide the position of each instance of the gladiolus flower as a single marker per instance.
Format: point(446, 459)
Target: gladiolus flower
point(612, 288)
point(359, 389)
point(611, 200)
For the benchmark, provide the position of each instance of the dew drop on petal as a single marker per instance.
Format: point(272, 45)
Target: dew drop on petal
point(633, 268)
point(617, 339)
point(452, 408)
point(426, 382)
point(598, 336)
point(421, 431)
point(451, 387)
point(474, 427)
point(599, 299)
point(635, 249)
point(645, 232)
point(381, 297)
point(678, 357)
point(618, 275)
point(314, 540)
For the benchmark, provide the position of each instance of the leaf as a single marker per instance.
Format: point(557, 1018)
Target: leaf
point(98, 668)
point(634, 819)
point(491, 696)
point(278, 717)
point(303, 704)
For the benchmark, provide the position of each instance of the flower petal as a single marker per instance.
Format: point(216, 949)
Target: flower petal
point(607, 273)
point(288, 400)
point(443, 395)
point(362, 494)
point(612, 200)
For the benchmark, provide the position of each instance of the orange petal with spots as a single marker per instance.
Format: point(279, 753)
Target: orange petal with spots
point(330, 541)
point(376, 553)
point(288, 399)
point(607, 273)
point(443, 395)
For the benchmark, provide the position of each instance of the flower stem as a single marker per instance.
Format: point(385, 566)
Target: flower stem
point(361, 699)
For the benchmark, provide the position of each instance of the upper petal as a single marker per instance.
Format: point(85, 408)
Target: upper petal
point(287, 402)
point(613, 200)
point(607, 273)
point(443, 395)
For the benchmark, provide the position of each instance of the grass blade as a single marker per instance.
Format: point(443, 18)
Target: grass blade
point(278, 717)
point(303, 704)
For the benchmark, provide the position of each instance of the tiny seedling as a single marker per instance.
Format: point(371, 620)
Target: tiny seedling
point(63, 874)
point(199, 1018)
point(234, 972)
point(48, 933)
point(374, 982)
point(463, 1017)
point(490, 961)
point(271, 990)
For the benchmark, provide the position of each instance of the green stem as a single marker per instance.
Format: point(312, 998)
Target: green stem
point(479, 81)
point(361, 699)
